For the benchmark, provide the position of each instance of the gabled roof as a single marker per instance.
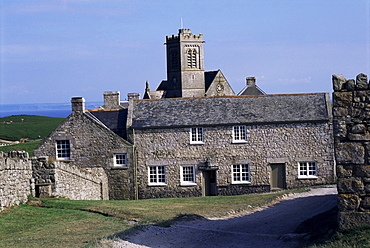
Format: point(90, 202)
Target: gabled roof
point(230, 110)
point(209, 76)
point(251, 90)
point(114, 120)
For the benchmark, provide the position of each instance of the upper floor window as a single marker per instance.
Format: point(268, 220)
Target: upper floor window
point(196, 135)
point(239, 134)
point(63, 149)
point(192, 58)
point(240, 173)
point(157, 175)
point(307, 170)
point(187, 175)
point(120, 159)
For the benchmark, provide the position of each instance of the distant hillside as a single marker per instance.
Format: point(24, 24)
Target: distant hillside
point(31, 127)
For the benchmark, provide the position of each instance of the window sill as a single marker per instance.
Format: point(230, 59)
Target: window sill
point(241, 183)
point(308, 177)
point(119, 167)
point(64, 159)
point(239, 141)
point(188, 184)
point(196, 143)
point(157, 184)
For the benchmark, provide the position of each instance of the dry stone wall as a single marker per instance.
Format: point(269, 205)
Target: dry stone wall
point(351, 111)
point(16, 182)
point(21, 176)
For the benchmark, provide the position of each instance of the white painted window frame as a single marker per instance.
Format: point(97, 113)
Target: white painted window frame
point(239, 134)
point(158, 172)
point(183, 174)
point(116, 159)
point(307, 170)
point(196, 135)
point(61, 147)
point(239, 173)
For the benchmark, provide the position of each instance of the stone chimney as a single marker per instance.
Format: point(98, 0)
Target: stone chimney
point(78, 104)
point(112, 100)
point(131, 96)
point(251, 81)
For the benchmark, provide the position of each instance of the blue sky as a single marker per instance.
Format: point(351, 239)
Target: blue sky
point(53, 50)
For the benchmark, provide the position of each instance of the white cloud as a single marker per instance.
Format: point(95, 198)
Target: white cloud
point(295, 80)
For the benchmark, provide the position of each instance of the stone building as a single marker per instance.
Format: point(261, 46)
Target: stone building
point(92, 140)
point(194, 137)
point(231, 145)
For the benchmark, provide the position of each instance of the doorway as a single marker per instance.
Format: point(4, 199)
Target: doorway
point(278, 180)
point(209, 183)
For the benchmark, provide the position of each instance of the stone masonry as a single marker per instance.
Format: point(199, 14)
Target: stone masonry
point(351, 113)
point(267, 144)
point(16, 182)
point(22, 176)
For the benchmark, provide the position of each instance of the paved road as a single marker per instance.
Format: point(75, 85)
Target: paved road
point(259, 229)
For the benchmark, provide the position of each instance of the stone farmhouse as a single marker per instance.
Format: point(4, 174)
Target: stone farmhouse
point(193, 136)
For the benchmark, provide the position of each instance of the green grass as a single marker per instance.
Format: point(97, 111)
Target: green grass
point(67, 223)
point(355, 238)
point(28, 147)
point(32, 127)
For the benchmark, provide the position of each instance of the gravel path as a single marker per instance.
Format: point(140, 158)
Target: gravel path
point(269, 227)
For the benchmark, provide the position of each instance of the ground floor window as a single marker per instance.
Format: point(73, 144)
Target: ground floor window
point(157, 175)
point(63, 149)
point(187, 175)
point(240, 173)
point(307, 170)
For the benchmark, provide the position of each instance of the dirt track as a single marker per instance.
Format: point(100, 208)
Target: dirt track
point(269, 227)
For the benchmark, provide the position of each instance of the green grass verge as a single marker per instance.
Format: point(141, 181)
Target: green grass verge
point(32, 127)
point(67, 223)
point(28, 147)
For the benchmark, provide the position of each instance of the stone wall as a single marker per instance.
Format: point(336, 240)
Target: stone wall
point(351, 111)
point(60, 179)
point(266, 144)
point(16, 182)
point(21, 176)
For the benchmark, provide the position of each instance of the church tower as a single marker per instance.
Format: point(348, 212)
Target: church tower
point(185, 65)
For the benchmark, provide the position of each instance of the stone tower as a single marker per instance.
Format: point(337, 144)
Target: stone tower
point(185, 65)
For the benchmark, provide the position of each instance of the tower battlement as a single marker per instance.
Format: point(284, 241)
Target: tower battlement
point(184, 35)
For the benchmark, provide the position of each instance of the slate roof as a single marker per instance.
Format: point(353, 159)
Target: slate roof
point(209, 76)
point(230, 110)
point(115, 120)
point(251, 90)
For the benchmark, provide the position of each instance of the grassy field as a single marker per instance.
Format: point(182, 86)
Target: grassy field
point(30, 127)
point(66, 223)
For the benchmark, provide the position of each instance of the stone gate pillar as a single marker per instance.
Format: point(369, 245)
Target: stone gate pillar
point(351, 112)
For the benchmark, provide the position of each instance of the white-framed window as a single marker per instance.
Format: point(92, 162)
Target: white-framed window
point(239, 134)
point(157, 175)
point(63, 149)
point(120, 159)
point(187, 175)
point(196, 135)
point(307, 170)
point(240, 173)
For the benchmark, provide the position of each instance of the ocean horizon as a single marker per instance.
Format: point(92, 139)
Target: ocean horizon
point(60, 110)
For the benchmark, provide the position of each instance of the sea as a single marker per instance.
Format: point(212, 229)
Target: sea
point(61, 110)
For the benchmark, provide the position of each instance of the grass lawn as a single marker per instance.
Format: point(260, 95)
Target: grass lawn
point(32, 127)
point(28, 147)
point(67, 223)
